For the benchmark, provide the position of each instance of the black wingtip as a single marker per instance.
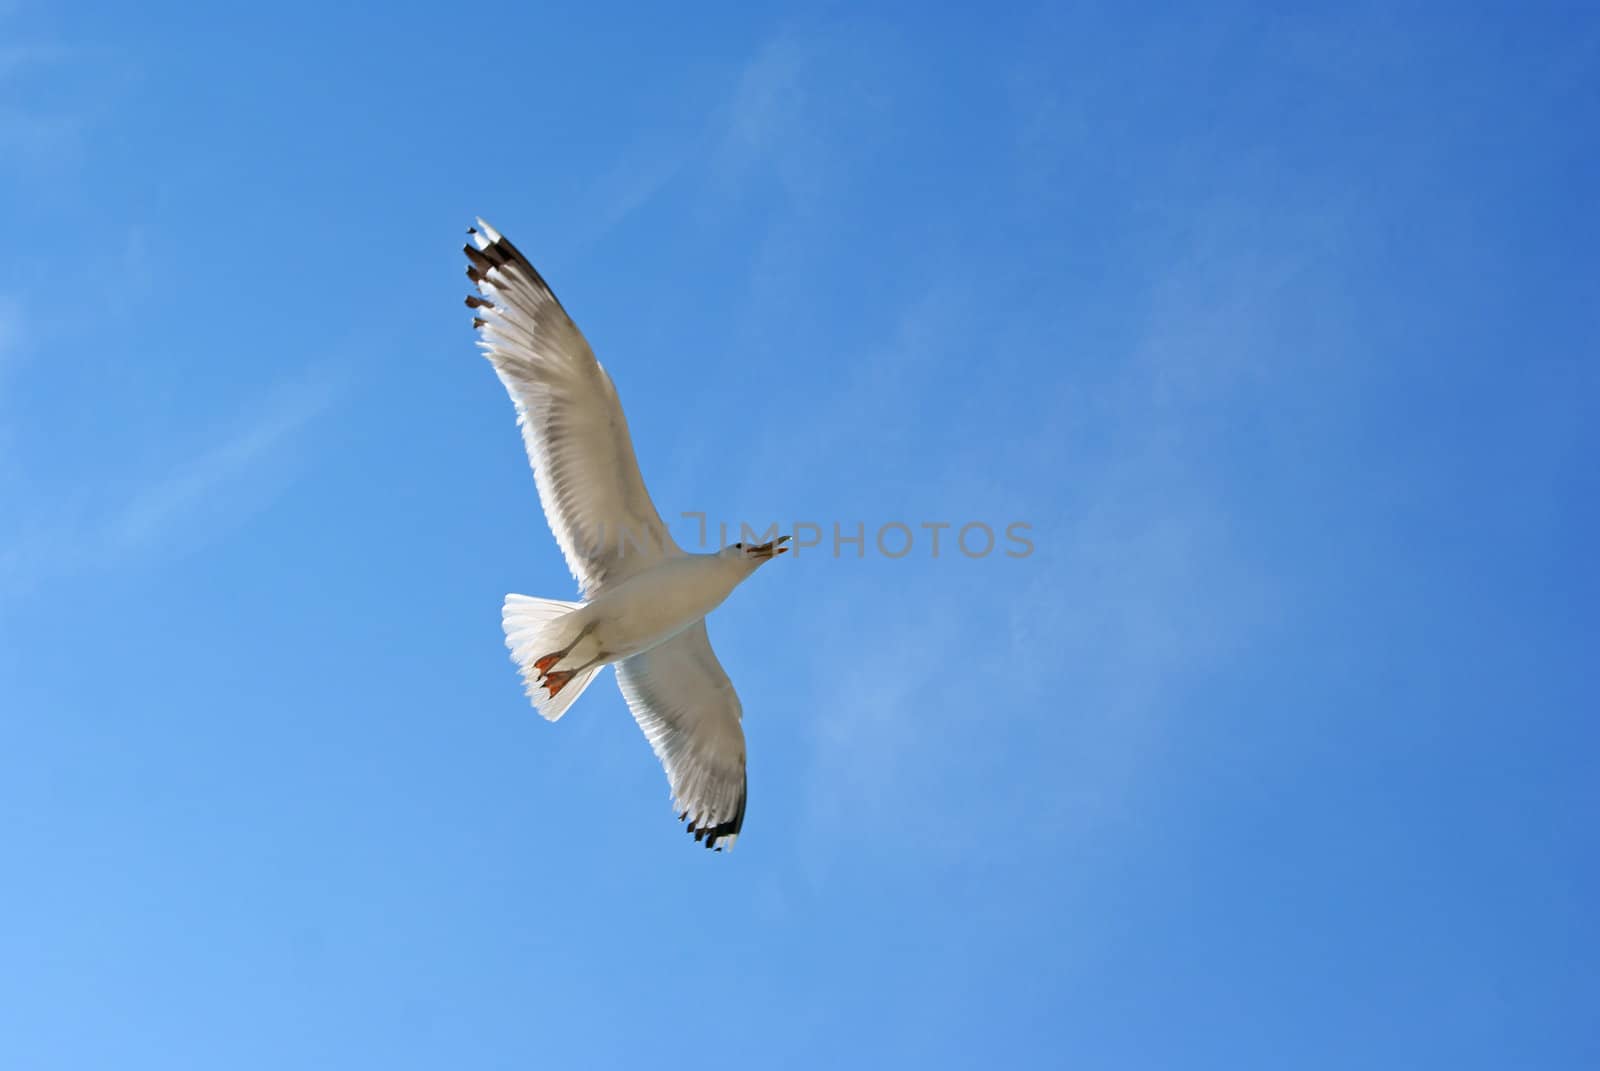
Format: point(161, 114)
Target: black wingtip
point(712, 836)
point(500, 253)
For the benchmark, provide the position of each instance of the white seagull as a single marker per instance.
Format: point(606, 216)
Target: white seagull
point(645, 599)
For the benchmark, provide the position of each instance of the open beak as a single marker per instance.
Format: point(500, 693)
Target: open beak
point(767, 551)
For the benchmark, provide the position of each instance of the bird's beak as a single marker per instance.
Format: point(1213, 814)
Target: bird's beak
point(768, 551)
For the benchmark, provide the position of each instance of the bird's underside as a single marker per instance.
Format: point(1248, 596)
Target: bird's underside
point(589, 483)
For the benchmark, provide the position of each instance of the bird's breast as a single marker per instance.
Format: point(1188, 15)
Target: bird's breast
point(657, 604)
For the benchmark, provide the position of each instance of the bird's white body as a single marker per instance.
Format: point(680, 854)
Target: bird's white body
point(647, 609)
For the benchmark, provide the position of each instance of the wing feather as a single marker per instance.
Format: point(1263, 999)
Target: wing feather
point(572, 424)
point(683, 701)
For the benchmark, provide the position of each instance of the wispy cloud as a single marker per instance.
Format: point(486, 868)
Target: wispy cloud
point(1149, 581)
point(185, 504)
point(11, 341)
point(18, 58)
point(761, 125)
point(763, 120)
point(52, 94)
point(30, 136)
point(1140, 584)
point(805, 107)
point(172, 499)
point(10, 328)
point(641, 172)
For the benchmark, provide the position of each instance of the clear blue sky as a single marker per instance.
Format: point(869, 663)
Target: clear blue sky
point(1280, 330)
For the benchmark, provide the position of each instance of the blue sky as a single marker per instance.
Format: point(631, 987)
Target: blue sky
point(1278, 329)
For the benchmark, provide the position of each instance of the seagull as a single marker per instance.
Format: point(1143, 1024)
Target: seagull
point(645, 599)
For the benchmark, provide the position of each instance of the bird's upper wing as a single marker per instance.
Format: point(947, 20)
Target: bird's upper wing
point(682, 699)
point(571, 419)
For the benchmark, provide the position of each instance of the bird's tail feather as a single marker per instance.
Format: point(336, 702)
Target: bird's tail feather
point(533, 630)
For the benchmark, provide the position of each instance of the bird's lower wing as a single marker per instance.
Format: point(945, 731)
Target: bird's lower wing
point(682, 699)
point(572, 424)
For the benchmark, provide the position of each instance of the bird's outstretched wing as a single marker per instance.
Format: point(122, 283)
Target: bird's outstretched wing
point(572, 424)
point(682, 699)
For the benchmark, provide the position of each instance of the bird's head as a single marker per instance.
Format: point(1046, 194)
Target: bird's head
point(753, 554)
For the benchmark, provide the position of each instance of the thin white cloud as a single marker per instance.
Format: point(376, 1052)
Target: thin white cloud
point(172, 500)
point(52, 95)
point(806, 106)
point(17, 58)
point(11, 340)
point(641, 173)
point(764, 113)
point(10, 328)
point(1138, 584)
point(28, 136)
point(112, 525)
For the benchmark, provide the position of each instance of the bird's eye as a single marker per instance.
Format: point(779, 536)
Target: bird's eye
point(738, 546)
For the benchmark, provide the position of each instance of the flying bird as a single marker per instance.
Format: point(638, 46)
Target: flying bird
point(644, 598)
